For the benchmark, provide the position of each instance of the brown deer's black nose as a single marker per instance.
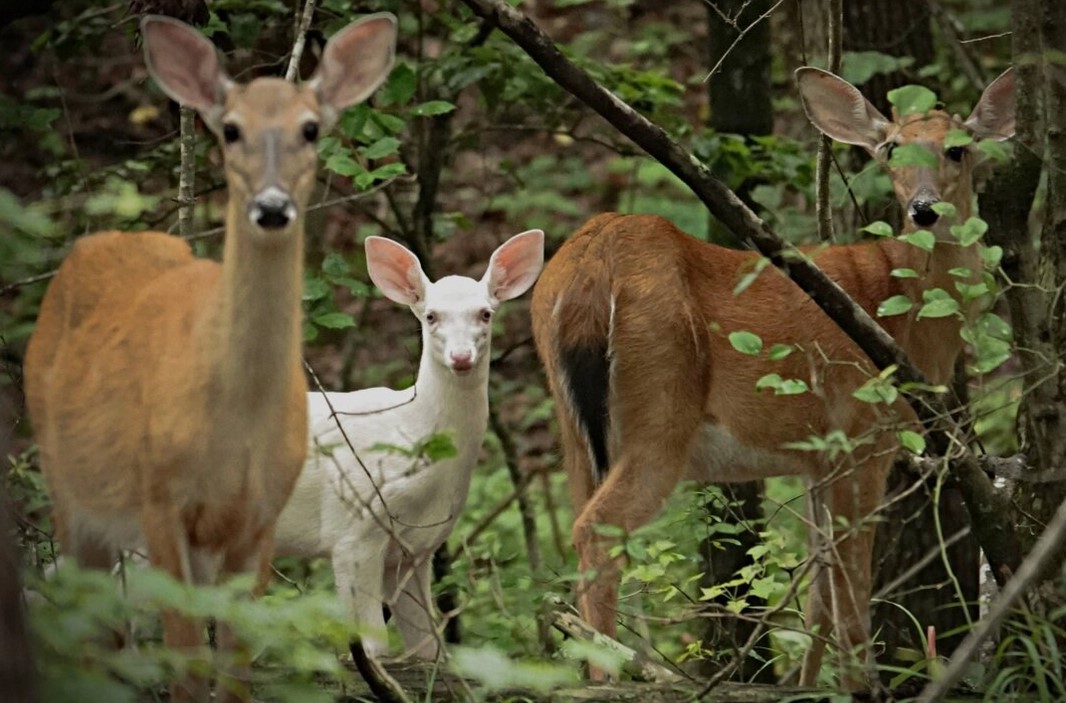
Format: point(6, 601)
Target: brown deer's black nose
point(922, 212)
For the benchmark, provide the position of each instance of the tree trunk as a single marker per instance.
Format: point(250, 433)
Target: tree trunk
point(739, 93)
point(1037, 312)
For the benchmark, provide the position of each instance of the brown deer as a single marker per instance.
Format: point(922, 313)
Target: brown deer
point(167, 391)
point(632, 319)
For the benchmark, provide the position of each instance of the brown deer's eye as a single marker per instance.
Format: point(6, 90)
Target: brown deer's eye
point(231, 132)
point(311, 131)
point(955, 153)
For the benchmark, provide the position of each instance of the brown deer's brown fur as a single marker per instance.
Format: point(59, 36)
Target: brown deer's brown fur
point(632, 318)
point(167, 392)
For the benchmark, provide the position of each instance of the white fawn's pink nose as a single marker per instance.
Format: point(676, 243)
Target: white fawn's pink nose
point(463, 361)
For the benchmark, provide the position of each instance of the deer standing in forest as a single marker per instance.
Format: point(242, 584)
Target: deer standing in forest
point(632, 319)
point(368, 497)
point(167, 392)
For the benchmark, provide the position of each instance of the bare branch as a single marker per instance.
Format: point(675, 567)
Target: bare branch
point(301, 39)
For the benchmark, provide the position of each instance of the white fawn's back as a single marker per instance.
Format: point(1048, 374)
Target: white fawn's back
point(370, 496)
point(632, 321)
point(167, 392)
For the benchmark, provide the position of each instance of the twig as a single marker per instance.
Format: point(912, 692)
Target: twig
point(1046, 547)
point(301, 39)
point(385, 688)
point(739, 36)
point(822, 210)
point(187, 173)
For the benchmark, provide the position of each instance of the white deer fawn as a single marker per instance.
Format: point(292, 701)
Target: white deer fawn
point(632, 320)
point(378, 509)
point(166, 391)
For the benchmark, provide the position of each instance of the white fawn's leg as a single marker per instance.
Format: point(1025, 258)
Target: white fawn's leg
point(412, 607)
point(359, 587)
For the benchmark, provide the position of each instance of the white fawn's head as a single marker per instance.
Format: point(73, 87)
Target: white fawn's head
point(840, 111)
point(456, 311)
point(268, 127)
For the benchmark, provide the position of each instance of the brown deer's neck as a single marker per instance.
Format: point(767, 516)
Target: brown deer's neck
point(259, 327)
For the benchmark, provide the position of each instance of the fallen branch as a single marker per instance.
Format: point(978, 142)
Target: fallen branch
point(634, 663)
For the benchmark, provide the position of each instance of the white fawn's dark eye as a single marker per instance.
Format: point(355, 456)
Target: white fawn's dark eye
point(486, 315)
point(955, 153)
point(231, 132)
point(310, 131)
point(431, 317)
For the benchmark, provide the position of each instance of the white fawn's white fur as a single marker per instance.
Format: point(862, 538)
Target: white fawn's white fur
point(379, 513)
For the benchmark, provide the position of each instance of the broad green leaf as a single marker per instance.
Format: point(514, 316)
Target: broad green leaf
point(315, 289)
point(971, 291)
point(904, 273)
point(997, 151)
point(923, 239)
point(386, 146)
point(879, 229)
point(433, 107)
point(969, 231)
point(992, 256)
point(896, 305)
point(938, 303)
point(876, 390)
point(957, 137)
point(746, 342)
point(960, 272)
point(911, 441)
point(944, 209)
point(910, 99)
point(400, 87)
point(780, 351)
point(334, 320)
point(913, 155)
point(857, 67)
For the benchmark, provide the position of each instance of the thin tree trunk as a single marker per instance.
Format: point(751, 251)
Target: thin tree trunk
point(739, 94)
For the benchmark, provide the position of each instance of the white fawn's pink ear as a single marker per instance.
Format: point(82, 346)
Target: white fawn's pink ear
point(354, 63)
point(839, 110)
point(515, 265)
point(395, 270)
point(185, 65)
point(993, 116)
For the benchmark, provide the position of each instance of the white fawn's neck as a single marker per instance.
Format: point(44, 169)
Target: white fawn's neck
point(461, 399)
point(258, 329)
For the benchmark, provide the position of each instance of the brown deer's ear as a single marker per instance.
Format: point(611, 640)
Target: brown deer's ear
point(354, 63)
point(839, 110)
point(185, 65)
point(993, 116)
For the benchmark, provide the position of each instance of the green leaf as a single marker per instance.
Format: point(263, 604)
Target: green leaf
point(334, 320)
point(911, 441)
point(971, 291)
point(386, 146)
point(938, 303)
point(781, 386)
point(957, 137)
point(433, 107)
point(780, 351)
point(857, 67)
point(923, 239)
point(439, 447)
point(343, 164)
point(997, 151)
point(910, 99)
point(906, 155)
point(400, 87)
point(904, 273)
point(992, 256)
point(945, 209)
point(876, 390)
point(315, 289)
point(879, 229)
point(896, 305)
point(746, 342)
point(969, 231)
point(334, 265)
point(960, 272)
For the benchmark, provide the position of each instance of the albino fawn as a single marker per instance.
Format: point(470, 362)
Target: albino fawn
point(631, 319)
point(381, 513)
point(167, 391)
